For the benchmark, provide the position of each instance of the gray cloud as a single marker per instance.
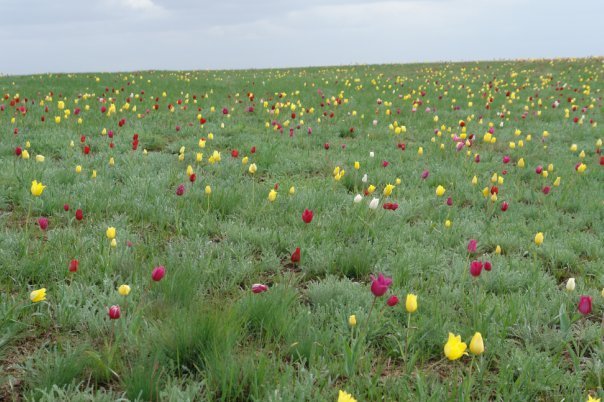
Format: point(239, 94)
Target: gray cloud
point(118, 35)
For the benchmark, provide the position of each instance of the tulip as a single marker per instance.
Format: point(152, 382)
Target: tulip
point(113, 243)
point(252, 169)
point(124, 290)
point(364, 178)
point(388, 190)
point(374, 203)
point(440, 190)
point(570, 284)
point(43, 223)
point(498, 249)
point(344, 396)
point(380, 285)
point(37, 188)
point(307, 216)
point(392, 301)
point(158, 273)
point(455, 348)
point(352, 320)
point(38, 295)
point(585, 305)
point(504, 206)
point(477, 344)
point(180, 190)
point(358, 198)
point(111, 233)
point(472, 244)
point(539, 238)
point(73, 265)
point(114, 312)
point(425, 174)
point(411, 303)
point(292, 190)
point(208, 190)
point(79, 215)
point(487, 265)
point(40, 158)
point(259, 288)
point(272, 195)
point(476, 268)
point(295, 257)
point(25, 154)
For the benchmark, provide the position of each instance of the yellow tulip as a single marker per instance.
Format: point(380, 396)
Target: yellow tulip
point(582, 168)
point(539, 238)
point(344, 396)
point(420, 151)
point(37, 188)
point(189, 170)
point(474, 180)
point(370, 189)
point(25, 154)
point(40, 158)
point(440, 190)
point(208, 190)
point(455, 348)
point(272, 195)
point(388, 189)
point(124, 290)
point(498, 249)
point(292, 190)
point(244, 160)
point(38, 295)
point(78, 169)
point(110, 232)
point(111, 161)
point(252, 169)
point(199, 157)
point(411, 303)
point(557, 181)
point(357, 165)
point(57, 119)
point(447, 223)
point(352, 320)
point(521, 162)
point(477, 344)
point(113, 243)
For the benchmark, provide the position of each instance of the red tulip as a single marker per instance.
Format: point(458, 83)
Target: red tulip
point(488, 266)
point(253, 150)
point(73, 265)
point(307, 215)
point(180, 190)
point(79, 214)
point(296, 255)
point(18, 151)
point(477, 158)
point(259, 288)
point(385, 163)
point(66, 207)
point(472, 244)
point(425, 174)
point(43, 222)
point(504, 206)
point(192, 178)
point(390, 205)
point(225, 111)
point(506, 159)
point(158, 273)
point(585, 305)
point(392, 301)
point(326, 145)
point(114, 312)
point(234, 153)
point(475, 268)
point(546, 190)
point(539, 169)
point(380, 285)
point(449, 201)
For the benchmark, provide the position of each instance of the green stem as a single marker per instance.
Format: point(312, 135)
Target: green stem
point(407, 337)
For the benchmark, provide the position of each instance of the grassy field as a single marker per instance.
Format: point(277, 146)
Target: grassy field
point(208, 174)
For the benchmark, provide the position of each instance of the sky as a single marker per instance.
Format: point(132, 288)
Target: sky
point(38, 36)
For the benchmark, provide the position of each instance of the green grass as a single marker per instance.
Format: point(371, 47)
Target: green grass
point(201, 334)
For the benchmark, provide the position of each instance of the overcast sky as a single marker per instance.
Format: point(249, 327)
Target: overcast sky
point(122, 35)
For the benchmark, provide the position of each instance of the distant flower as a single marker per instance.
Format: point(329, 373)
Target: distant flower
point(259, 288)
point(380, 285)
point(392, 301)
point(352, 320)
point(476, 268)
point(158, 273)
point(374, 203)
point(37, 188)
point(43, 223)
point(272, 195)
point(440, 191)
point(585, 305)
point(477, 344)
point(307, 216)
point(570, 284)
point(472, 244)
point(411, 303)
point(358, 198)
point(180, 190)
point(79, 215)
point(295, 257)
point(111, 233)
point(114, 312)
point(539, 238)
point(38, 295)
point(454, 348)
point(73, 265)
point(124, 290)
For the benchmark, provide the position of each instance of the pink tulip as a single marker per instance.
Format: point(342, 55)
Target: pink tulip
point(585, 305)
point(472, 244)
point(380, 285)
point(158, 273)
point(114, 312)
point(259, 288)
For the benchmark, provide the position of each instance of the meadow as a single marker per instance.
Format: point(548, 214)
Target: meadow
point(395, 232)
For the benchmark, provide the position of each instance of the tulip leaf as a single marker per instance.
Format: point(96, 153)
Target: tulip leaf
point(564, 320)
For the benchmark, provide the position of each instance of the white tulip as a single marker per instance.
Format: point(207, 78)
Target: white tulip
point(364, 179)
point(570, 284)
point(371, 154)
point(358, 198)
point(374, 203)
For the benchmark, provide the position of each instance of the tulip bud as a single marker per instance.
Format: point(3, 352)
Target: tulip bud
point(570, 284)
point(352, 321)
point(158, 273)
point(392, 301)
point(114, 312)
point(477, 344)
point(259, 288)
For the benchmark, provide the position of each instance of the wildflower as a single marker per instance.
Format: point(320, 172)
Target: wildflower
point(272, 195)
point(292, 190)
point(114, 312)
point(158, 273)
point(111, 232)
point(37, 188)
point(476, 268)
point(374, 203)
point(585, 305)
point(440, 190)
point(380, 285)
point(477, 344)
point(259, 288)
point(124, 290)
point(388, 190)
point(392, 301)
point(208, 190)
point(38, 295)
point(73, 265)
point(455, 348)
point(411, 303)
point(79, 215)
point(43, 223)
point(180, 190)
point(295, 257)
point(472, 244)
point(539, 238)
point(570, 284)
point(344, 396)
point(352, 320)
point(358, 198)
point(252, 169)
point(307, 216)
